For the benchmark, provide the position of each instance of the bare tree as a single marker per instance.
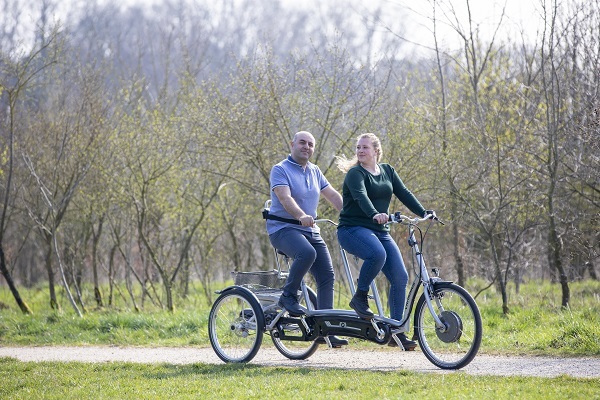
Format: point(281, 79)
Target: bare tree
point(18, 76)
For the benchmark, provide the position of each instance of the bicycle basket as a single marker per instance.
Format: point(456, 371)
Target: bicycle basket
point(269, 279)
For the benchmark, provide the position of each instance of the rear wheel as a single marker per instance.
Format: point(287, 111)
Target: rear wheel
point(235, 325)
point(456, 344)
point(296, 349)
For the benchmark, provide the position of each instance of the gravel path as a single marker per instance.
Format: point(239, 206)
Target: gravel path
point(348, 358)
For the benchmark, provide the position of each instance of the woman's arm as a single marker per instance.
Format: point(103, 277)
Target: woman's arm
point(406, 196)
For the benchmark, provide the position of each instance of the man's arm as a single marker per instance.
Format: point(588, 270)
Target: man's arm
point(287, 201)
point(333, 196)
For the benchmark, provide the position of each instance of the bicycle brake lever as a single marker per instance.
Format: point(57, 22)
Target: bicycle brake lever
point(439, 220)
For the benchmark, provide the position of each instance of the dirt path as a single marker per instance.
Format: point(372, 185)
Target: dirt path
point(376, 359)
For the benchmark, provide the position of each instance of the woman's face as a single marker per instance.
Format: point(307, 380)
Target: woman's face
point(365, 152)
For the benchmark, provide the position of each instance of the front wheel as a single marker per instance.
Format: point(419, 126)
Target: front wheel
point(236, 325)
point(454, 345)
point(296, 349)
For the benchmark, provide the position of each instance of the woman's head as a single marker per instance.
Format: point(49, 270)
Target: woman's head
point(345, 164)
point(372, 140)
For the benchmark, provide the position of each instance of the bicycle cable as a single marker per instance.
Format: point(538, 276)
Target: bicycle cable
point(422, 241)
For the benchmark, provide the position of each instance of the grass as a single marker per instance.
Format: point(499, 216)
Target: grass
point(50, 380)
point(536, 325)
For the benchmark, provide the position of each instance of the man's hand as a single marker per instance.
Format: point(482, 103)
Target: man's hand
point(306, 220)
point(287, 201)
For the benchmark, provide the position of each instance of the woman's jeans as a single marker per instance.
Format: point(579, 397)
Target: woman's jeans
point(380, 253)
point(310, 253)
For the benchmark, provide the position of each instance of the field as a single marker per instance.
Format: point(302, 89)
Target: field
point(536, 326)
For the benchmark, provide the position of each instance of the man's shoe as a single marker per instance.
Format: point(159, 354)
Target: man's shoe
point(335, 341)
point(360, 304)
point(290, 303)
point(409, 345)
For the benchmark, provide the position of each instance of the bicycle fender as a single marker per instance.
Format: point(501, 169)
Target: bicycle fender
point(238, 288)
point(438, 282)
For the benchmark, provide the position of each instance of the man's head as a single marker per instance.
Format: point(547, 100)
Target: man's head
point(302, 147)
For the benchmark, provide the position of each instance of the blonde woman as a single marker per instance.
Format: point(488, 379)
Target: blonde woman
point(367, 193)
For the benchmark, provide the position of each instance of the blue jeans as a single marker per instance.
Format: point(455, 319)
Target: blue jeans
point(380, 253)
point(310, 253)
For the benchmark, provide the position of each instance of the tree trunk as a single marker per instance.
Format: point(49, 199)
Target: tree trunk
point(459, 265)
point(554, 250)
point(592, 271)
point(48, 264)
point(499, 277)
point(11, 284)
point(95, 240)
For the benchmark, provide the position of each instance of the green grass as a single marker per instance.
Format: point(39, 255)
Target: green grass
point(51, 380)
point(536, 325)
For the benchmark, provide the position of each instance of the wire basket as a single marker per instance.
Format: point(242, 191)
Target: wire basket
point(270, 279)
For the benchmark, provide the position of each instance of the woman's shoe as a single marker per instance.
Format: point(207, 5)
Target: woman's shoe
point(409, 345)
point(360, 304)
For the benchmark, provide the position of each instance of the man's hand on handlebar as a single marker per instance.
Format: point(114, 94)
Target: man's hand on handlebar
point(306, 220)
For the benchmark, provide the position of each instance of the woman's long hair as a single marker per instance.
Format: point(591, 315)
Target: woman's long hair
point(345, 164)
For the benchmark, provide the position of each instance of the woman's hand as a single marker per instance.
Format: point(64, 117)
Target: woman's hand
point(381, 218)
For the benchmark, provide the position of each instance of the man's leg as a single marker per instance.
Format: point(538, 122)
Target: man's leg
point(322, 271)
point(295, 244)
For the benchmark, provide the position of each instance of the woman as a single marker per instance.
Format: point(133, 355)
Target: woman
point(367, 193)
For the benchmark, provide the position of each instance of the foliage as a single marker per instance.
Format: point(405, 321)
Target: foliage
point(142, 153)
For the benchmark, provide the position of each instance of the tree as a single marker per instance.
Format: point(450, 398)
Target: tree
point(18, 76)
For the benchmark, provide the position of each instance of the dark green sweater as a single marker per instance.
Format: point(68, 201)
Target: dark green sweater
point(366, 195)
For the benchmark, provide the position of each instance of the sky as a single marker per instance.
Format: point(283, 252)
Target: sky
point(520, 14)
point(522, 17)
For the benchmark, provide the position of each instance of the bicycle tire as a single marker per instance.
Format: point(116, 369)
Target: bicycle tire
point(456, 346)
point(236, 325)
point(292, 349)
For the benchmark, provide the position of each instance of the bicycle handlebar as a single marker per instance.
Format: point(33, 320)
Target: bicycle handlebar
point(318, 221)
point(399, 218)
point(395, 218)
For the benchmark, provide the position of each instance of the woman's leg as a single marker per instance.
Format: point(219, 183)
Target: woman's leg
point(396, 273)
point(363, 243)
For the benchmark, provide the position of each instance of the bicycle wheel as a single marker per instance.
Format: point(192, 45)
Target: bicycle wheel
point(236, 325)
point(293, 349)
point(457, 344)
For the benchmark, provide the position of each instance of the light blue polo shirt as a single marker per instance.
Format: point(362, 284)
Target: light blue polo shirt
point(305, 186)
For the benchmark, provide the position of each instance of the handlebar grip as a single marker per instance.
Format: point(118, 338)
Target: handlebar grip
point(391, 218)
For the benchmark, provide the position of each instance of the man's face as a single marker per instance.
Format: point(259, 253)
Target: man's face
point(303, 147)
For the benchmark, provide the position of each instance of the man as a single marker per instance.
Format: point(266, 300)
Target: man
point(296, 185)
